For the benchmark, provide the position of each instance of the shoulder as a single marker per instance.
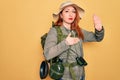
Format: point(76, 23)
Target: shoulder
point(52, 31)
point(83, 30)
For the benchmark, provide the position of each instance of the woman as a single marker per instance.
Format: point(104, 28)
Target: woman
point(71, 46)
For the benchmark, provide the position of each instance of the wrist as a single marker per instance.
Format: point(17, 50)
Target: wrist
point(66, 42)
point(99, 29)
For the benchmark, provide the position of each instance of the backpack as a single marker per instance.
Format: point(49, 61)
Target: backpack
point(59, 35)
point(44, 67)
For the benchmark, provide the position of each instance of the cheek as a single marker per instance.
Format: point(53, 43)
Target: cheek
point(65, 16)
point(74, 15)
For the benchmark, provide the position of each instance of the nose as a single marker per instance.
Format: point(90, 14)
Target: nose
point(70, 14)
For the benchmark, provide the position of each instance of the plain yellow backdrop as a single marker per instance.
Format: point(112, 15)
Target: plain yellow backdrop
point(23, 22)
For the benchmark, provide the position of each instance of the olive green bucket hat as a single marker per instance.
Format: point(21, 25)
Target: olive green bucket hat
point(80, 10)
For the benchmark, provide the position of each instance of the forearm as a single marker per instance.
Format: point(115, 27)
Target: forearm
point(93, 36)
point(55, 50)
point(99, 35)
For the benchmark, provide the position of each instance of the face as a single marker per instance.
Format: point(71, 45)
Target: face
point(68, 14)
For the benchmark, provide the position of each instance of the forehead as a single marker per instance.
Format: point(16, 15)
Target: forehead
point(69, 8)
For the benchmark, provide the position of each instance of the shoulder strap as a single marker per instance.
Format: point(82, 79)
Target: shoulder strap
point(59, 34)
point(59, 39)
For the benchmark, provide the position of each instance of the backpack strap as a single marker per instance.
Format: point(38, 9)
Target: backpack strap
point(60, 37)
point(59, 34)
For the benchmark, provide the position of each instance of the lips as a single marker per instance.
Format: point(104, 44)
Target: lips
point(70, 18)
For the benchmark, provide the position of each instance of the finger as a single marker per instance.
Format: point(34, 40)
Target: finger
point(95, 17)
point(69, 34)
point(97, 20)
point(76, 40)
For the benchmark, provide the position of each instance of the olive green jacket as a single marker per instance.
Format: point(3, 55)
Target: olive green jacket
point(52, 49)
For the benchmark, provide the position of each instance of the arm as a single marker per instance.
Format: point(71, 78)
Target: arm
point(99, 31)
point(93, 36)
point(52, 49)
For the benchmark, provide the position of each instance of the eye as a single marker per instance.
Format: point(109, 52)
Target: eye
point(74, 11)
point(66, 11)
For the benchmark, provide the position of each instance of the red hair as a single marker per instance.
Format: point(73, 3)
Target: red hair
point(74, 25)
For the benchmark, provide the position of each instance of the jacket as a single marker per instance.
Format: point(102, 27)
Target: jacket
point(69, 53)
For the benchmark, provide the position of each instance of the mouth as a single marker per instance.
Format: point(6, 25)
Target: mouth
point(70, 18)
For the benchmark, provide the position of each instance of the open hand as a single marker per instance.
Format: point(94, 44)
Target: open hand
point(97, 22)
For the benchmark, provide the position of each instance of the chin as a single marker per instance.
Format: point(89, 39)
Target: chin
point(70, 22)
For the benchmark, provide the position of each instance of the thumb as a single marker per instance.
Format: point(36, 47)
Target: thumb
point(69, 34)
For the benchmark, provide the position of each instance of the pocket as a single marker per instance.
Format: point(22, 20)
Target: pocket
point(78, 72)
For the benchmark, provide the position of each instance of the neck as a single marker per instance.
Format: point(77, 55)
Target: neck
point(66, 25)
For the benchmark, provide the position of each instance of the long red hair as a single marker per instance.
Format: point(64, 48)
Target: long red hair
point(74, 25)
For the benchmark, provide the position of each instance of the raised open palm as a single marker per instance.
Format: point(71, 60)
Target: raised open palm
point(97, 22)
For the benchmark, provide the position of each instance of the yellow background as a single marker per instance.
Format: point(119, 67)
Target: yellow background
point(22, 22)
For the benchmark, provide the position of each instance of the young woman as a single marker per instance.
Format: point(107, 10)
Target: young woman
point(71, 47)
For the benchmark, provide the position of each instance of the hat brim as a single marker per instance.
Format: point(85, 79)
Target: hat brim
point(80, 10)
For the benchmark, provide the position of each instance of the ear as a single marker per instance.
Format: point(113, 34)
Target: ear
point(61, 15)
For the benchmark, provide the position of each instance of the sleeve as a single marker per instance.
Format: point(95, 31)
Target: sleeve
point(51, 48)
point(96, 36)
